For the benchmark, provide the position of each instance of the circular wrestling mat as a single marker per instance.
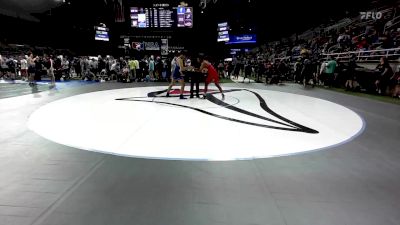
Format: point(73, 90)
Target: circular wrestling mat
point(247, 124)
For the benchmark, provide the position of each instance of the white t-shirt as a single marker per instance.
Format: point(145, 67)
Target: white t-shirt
point(323, 68)
point(173, 64)
point(114, 66)
point(51, 65)
point(65, 64)
point(93, 64)
point(24, 64)
point(3, 63)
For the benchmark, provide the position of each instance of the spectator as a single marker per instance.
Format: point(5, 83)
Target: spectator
point(3, 66)
point(31, 69)
point(137, 69)
point(363, 44)
point(77, 67)
point(395, 83)
point(237, 66)
point(93, 66)
point(84, 67)
point(57, 65)
point(115, 69)
point(101, 65)
point(24, 67)
point(66, 68)
point(132, 67)
point(11, 70)
point(396, 92)
point(221, 69)
point(385, 72)
point(247, 71)
point(298, 66)
point(350, 74)
point(260, 70)
point(159, 67)
point(330, 72)
point(307, 70)
point(38, 68)
point(343, 40)
point(50, 70)
point(151, 67)
point(386, 40)
point(143, 68)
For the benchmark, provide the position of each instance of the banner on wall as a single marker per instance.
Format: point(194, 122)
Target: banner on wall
point(242, 39)
point(151, 46)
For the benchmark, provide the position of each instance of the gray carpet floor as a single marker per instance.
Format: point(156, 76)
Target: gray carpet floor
point(44, 183)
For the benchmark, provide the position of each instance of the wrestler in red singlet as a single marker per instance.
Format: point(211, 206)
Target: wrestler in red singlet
point(212, 75)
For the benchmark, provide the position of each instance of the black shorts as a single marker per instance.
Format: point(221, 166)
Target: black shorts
point(31, 69)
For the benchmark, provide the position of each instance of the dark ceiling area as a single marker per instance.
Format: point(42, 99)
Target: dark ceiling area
point(69, 23)
point(24, 8)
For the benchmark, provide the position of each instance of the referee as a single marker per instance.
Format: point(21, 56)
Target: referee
point(196, 76)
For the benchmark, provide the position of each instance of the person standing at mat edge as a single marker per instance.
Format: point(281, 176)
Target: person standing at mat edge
point(212, 76)
point(50, 70)
point(177, 75)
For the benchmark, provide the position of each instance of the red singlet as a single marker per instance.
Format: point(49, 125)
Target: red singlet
point(212, 74)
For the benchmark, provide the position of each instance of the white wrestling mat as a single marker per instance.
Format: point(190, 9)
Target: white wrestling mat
point(248, 124)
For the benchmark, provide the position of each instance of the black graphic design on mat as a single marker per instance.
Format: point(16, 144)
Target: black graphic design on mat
point(288, 124)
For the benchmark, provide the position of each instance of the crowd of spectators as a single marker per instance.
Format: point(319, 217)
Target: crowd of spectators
point(124, 69)
point(329, 58)
point(358, 35)
point(309, 61)
point(328, 72)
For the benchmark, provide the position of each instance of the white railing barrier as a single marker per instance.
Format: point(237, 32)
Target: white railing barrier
point(362, 56)
point(365, 55)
